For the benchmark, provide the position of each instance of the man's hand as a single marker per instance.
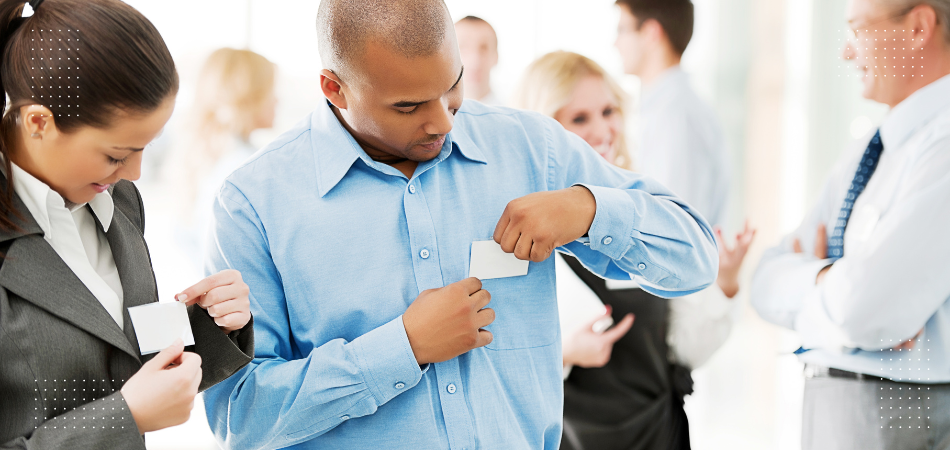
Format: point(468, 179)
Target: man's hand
point(534, 225)
point(910, 343)
point(446, 322)
point(820, 251)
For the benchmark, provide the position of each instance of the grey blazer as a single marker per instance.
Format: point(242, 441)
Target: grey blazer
point(63, 359)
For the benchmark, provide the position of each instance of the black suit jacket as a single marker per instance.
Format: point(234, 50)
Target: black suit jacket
point(63, 359)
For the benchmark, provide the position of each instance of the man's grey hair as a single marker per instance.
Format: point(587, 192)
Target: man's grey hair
point(942, 8)
point(411, 28)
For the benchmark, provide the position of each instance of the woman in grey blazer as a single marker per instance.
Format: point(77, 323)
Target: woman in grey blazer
point(72, 254)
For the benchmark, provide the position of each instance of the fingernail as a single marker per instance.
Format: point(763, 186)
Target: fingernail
point(182, 297)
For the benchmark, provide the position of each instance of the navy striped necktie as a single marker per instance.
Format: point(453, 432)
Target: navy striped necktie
point(861, 176)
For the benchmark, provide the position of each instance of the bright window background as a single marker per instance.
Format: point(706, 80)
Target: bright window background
point(770, 68)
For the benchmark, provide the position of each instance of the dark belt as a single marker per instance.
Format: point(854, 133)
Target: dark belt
point(813, 371)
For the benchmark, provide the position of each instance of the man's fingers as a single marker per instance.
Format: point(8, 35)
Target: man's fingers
point(821, 242)
point(509, 240)
point(484, 338)
point(167, 356)
point(471, 285)
point(482, 298)
point(501, 226)
point(618, 331)
point(523, 248)
point(485, 317)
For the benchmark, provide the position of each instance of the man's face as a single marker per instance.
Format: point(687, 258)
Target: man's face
point(479, 50)
point(405, 106)
point(630, 42)
point(883, 49)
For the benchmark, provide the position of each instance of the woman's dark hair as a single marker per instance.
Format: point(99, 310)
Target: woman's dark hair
point(85, 60)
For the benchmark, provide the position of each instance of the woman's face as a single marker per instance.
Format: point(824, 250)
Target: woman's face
point(593, 115)
point(84, 163)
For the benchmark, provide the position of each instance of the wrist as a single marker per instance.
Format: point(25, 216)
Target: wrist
point(728, 284)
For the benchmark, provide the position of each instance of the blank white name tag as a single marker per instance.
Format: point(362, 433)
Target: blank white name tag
point(490, 261)
point(157, 325)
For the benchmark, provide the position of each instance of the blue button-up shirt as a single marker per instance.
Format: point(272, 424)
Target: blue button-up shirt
point(336, 246)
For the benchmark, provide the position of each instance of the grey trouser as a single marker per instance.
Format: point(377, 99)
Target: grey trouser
point(846, 414)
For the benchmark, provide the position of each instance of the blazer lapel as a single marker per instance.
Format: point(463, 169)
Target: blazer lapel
point(35, 272)
point(134, 265)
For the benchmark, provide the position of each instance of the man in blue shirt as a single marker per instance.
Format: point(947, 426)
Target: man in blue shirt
point(354, 231)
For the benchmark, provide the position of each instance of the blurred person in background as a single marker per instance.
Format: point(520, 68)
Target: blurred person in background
point(627, 387)
point(478, 47)
point(235, 96)
point(681, 142)
point(864, 279)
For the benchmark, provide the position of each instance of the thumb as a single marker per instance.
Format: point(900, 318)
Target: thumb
point(589, 324)
point(166, 356)
point(618, 331)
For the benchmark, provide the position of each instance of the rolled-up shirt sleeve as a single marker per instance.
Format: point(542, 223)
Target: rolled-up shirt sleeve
point(640, 230)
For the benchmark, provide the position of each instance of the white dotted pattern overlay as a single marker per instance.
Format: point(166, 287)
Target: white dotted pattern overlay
point(904, 406)
point(55, 398)
point(55, 64)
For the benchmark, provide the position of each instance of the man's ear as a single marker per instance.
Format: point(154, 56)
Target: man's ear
point(332, 88)
point(923, 23)
point(652, 29)
point(37, 122)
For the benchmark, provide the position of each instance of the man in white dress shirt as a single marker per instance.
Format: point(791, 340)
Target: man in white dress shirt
point(869, 293)
point(478, 47)
point(681, 143)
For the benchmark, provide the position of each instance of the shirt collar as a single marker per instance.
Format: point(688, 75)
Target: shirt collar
point(39, 199)
point(915, 112)
point(336, 150)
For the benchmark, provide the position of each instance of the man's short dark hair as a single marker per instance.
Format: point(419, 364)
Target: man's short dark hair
point(674, 16)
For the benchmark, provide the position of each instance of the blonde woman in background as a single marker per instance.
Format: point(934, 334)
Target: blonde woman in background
point(235, 96)
point(627, 383)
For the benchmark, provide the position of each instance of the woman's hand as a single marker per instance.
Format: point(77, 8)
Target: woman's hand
point(590, 349)
point(225, 296)
point(162, 393)
point(730, 259)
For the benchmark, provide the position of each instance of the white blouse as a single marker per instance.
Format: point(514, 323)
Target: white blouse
point(72, 232)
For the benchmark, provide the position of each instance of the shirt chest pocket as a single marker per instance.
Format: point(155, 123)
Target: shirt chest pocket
point(523, 319)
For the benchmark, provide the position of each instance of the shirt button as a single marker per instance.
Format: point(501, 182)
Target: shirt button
point(641, 266)
point(608, 240)
point(400, 385)
point(345, 418)
point(451, 388)
point(424, 254)
point(412, 189)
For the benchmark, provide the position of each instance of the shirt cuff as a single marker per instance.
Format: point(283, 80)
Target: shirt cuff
point(611, 232)
point(813, 323)
point(386, 361)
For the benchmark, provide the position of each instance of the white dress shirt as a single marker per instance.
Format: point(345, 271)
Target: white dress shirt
point(894, 278)
point(74, 235)
point(681, 145)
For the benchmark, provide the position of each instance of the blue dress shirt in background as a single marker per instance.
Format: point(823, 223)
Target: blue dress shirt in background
point(336, 246)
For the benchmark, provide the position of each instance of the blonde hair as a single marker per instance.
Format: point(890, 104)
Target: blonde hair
point(232, 88)
point(549, 83)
